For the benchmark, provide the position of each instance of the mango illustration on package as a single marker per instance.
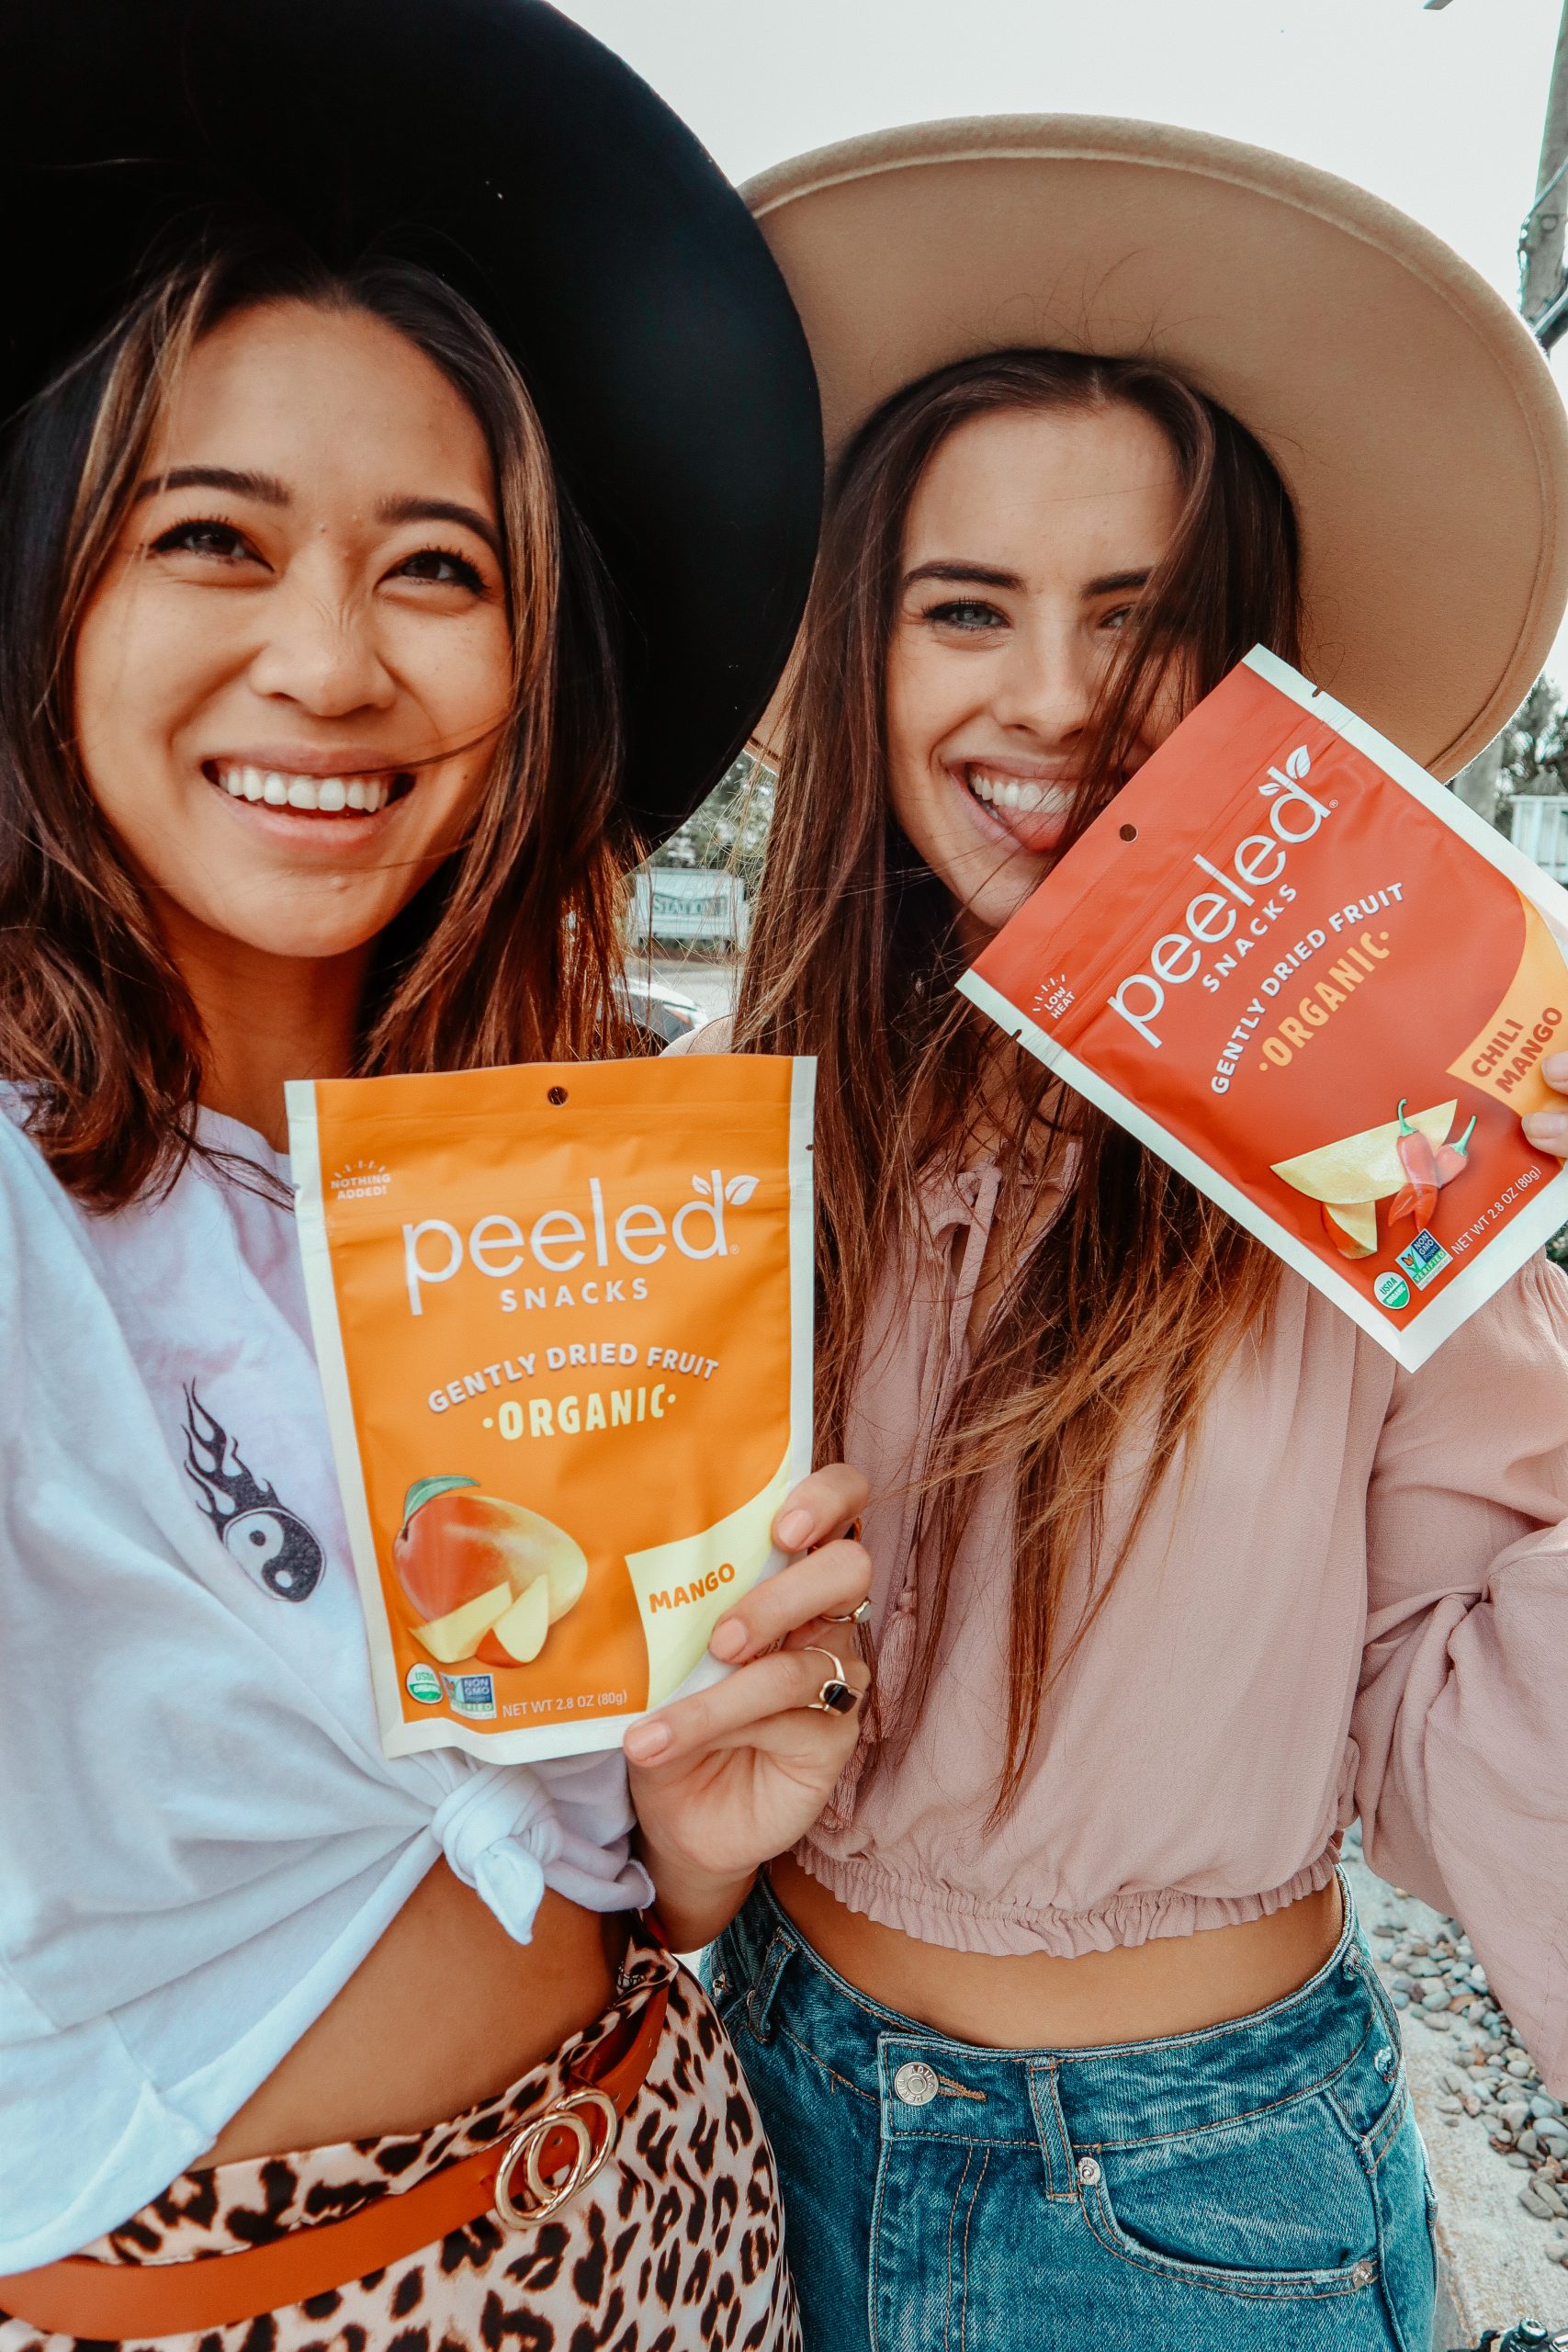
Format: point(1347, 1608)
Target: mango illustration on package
point(1321, 988)
point(563, 1318)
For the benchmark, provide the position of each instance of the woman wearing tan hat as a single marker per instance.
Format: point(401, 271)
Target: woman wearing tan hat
point(394, 538)
point(1060, 2018)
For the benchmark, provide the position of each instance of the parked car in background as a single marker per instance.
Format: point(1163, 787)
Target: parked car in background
point(665, 1014)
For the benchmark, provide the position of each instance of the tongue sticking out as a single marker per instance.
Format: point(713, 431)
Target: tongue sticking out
point(1035, 813)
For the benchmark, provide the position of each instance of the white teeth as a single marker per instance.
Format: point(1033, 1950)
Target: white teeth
point(327, 795)
point(1029, 800)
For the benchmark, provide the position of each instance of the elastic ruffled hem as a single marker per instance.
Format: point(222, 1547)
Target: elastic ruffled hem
point(960, 1922)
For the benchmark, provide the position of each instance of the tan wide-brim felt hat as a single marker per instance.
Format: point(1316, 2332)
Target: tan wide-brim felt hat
point(1409, 411)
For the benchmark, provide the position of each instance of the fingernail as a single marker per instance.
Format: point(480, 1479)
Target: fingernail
point(793, 1529)
point(1547, 1127)
point(1555, 1070)
point(729, 1638)
point(646, 1741)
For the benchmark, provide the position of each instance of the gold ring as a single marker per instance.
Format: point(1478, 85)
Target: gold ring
point(835, 1697)
point(860, 1616)
point(528, 2148)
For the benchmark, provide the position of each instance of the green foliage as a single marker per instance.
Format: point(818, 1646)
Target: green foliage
point(729, 831)
point(1535, 747)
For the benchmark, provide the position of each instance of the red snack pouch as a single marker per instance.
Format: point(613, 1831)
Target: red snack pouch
point(1320, 986)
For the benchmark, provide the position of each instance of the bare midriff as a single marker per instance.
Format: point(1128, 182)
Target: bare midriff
point(1038, 2001)
point(446, 2011)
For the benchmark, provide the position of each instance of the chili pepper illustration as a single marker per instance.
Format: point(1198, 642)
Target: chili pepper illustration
point(1454, 1157)
point(1419, 1197)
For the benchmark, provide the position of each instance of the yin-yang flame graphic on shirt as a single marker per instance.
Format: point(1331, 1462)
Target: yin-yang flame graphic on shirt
point(273, 1545)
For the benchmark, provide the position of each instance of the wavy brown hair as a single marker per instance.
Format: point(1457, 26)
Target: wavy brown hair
point(510, 952)
point(1123, 1311)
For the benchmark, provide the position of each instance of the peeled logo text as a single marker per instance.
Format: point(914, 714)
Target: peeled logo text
point(1212, 915)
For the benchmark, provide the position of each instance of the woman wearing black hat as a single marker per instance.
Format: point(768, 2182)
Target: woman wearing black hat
point(368, 587)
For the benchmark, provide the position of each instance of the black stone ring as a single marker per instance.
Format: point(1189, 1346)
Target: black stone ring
point(835, 1697)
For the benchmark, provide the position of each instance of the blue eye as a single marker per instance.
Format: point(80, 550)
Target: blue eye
point(966, 614)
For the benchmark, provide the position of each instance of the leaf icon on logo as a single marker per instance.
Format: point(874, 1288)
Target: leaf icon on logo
point(1299, 762)
point(739, 1189)
point(700, 1184)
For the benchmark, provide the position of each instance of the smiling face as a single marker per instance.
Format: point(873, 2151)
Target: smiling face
point(1029, 540)
point(290, 679)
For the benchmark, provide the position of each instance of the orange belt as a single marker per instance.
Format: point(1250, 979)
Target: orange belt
point(553, 2154)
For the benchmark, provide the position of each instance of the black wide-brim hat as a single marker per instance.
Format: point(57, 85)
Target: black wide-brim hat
point(495, 142)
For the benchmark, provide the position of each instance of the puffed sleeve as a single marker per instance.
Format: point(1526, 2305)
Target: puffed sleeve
point(1461, 1715)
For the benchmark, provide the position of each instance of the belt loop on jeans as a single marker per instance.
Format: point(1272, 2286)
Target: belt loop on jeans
point(760, 2001)
point(1056, 2147)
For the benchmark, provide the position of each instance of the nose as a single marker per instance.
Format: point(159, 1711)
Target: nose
point(322, 651)
point(1045, 686)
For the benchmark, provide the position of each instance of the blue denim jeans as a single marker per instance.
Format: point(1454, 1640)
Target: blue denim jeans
point(1258, 2184)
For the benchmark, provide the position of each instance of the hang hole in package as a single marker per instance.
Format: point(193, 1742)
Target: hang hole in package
point(1321, 988)
point(563, 1316)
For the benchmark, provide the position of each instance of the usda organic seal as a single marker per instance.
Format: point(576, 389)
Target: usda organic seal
point(1392, 1290)
point(423, 1683)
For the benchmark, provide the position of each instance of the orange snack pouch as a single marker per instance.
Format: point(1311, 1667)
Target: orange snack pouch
point(563, 1316)
point(1319, 986)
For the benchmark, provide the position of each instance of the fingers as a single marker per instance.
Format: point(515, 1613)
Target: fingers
point(1548, 1129)
point(820, 1507)
point(783, 1683)
point(829, 1582)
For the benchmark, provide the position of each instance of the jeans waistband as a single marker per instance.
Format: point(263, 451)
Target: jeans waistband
point(1123, 2093)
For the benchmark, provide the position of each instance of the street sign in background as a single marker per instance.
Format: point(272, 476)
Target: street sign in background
point(691, 903)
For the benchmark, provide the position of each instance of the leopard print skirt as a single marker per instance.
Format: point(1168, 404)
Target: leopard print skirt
point(676, 2246)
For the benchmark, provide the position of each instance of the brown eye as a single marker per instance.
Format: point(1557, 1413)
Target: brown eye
point(443, 568)
point(203, 537)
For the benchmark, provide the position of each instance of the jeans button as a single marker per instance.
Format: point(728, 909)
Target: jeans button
point(720, 1986)
point(1363, 2273)
point(1384, 2059)
point(1088, 2171)
point(915, 2084)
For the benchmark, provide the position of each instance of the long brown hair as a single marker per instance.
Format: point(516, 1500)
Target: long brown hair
point(509, 953)
point(1127, 1306)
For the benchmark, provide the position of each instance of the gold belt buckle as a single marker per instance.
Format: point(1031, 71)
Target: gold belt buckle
point(527, 2149)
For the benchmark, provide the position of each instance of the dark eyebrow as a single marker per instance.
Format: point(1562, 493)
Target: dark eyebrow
point(983, 575)
point(1114, 583)
point(440, 510)
point(266, 488)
